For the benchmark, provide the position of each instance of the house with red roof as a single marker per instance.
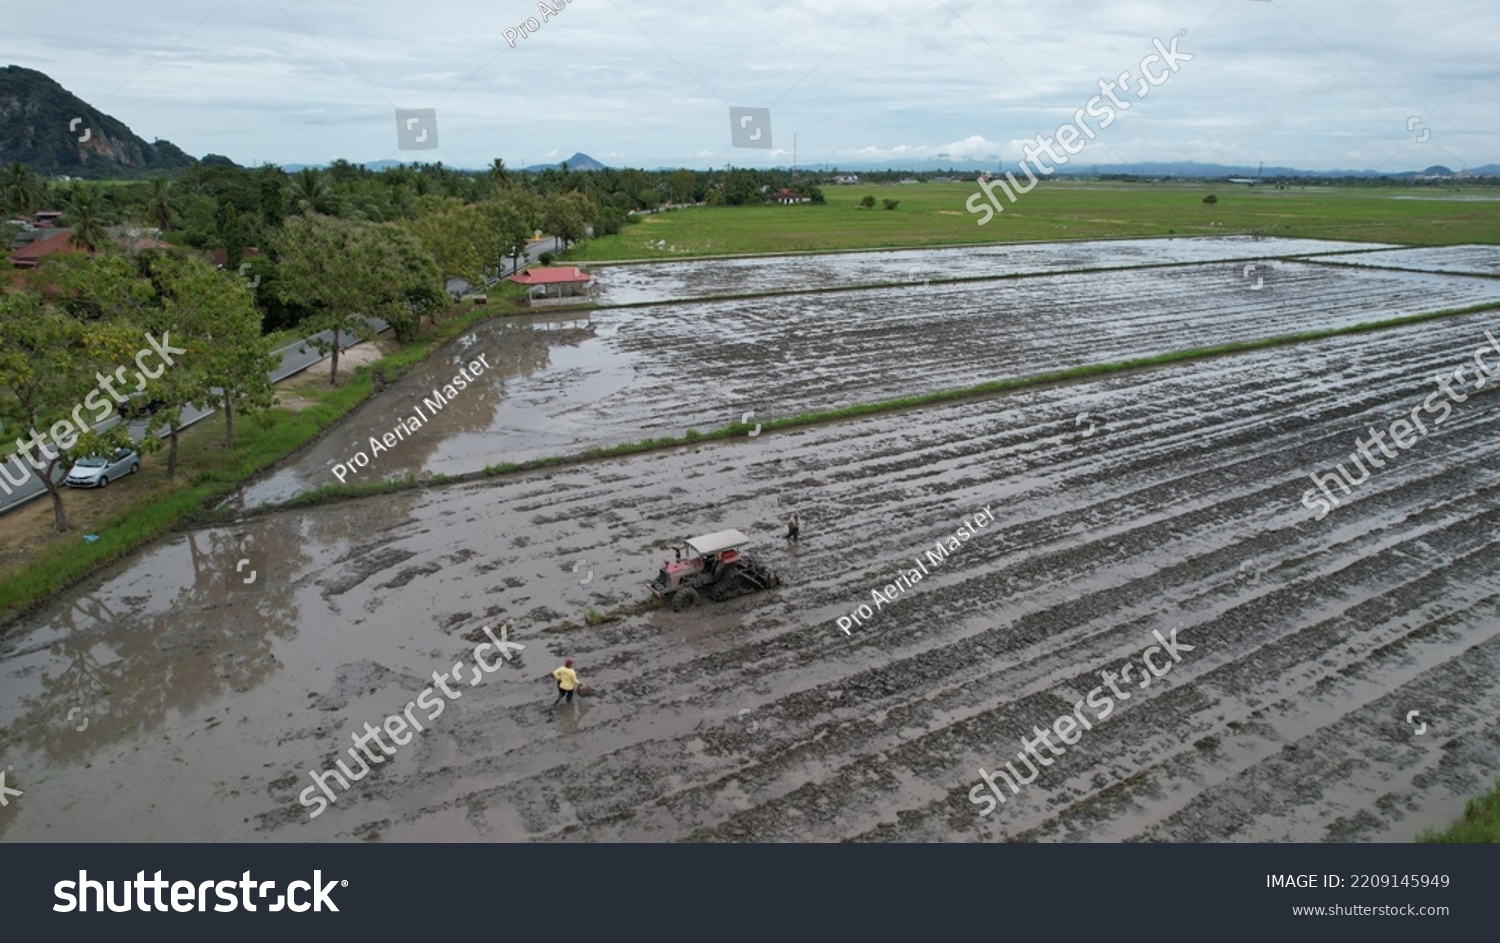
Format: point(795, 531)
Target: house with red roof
point(32, 253)
point(553, 286)
point(55, 241)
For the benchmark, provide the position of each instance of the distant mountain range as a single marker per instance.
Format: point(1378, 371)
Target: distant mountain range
point(1146, 169)
point(579, 161)
point(1180, 169)
point(53, 131)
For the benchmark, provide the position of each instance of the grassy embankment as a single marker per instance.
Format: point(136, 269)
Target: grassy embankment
point(1480, 823)
point(38, 562)
point(933, 214)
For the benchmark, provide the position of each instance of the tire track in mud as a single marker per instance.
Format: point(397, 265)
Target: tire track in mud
point(784, 355)
point(1469, 259)
point(1177, 501)
point(652, 281)
point(1284, 723)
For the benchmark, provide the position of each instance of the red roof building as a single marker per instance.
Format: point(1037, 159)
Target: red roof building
point(555, 285)
point(31, 254)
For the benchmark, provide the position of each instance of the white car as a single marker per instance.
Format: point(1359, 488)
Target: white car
point(96, 471)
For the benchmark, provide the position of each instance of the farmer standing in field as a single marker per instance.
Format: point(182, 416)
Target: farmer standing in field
point(794, 527)
point(567, 682)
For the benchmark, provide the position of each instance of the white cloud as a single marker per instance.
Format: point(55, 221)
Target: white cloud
point(649, 82)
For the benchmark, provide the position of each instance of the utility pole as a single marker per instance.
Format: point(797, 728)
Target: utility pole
point(794, 152)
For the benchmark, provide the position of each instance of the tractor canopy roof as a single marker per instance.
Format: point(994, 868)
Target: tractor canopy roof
point(717, 542)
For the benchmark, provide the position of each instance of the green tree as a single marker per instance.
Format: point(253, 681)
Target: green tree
point(109, 288)
point(411, 284)
point(458, 240)
point(271, 195)
point(20, 191)
point(326, 266)
point(609, 221)
point(180, 384)
point(680, 185)
point(88, 223)
point(506, 225)
point(309, 193)
point(211, 313)
point(742, 188)
point(231, 235)
point(568, 216)
point(499, 176)
point(867, 203)
point(161, 207)
point(891, 204)
point(49, 368)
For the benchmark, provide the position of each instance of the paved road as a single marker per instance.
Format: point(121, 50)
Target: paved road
point(294, 358)
point(507, 268)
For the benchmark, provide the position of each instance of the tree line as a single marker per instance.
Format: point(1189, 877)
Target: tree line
point(76, 339)
point(335, 247)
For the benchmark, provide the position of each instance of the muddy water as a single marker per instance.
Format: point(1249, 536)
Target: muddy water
point(631, 374)
point(452, 434)
point(637, 282)
point(172, 698)
point(1464, 260)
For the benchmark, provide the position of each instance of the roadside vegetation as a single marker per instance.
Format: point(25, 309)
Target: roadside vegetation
point(39, 562)
point(1480, 824)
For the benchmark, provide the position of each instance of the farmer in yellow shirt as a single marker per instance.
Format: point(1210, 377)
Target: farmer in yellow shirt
point(567, 682)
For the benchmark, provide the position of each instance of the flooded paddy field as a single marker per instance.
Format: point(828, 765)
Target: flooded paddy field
point(1459, 260)
point(666, 281)
point(170, 699)
point(620, 375)
point(206, 703)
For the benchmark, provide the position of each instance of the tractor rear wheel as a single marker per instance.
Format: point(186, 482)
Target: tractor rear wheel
point(684, 599)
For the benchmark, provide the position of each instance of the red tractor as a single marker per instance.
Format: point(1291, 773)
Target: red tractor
point(715, 566)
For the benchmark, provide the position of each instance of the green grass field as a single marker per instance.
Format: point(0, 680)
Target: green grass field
point(1479, 825)
point(933, 214)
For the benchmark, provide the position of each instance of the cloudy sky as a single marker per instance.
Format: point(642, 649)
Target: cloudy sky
point(1319, 86)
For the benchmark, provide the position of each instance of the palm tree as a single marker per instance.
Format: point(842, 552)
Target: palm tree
point(88, 228)
point(310, 194)
point(160, 206)
point(18, 189)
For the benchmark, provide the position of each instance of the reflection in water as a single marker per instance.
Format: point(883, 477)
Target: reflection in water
point(150, 653)
point(464, 435)
point(131, 663)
